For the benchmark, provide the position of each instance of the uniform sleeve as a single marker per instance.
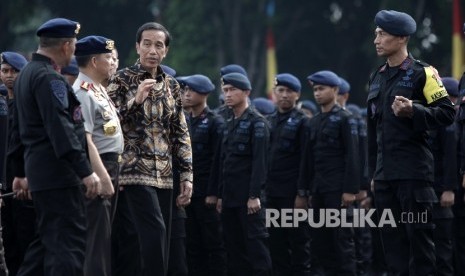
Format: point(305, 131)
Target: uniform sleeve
point(52, 96)
point(449, 145)
point(372, 146)
point(216, 139)
point(88, 107)
point(307, 162)
point(352, 162)
point(260, 142)
point(15, 147)
point(362, 136)
point(439, 110)
point(180, 138)
point(302, 180)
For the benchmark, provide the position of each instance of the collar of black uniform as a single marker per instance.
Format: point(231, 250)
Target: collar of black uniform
point(403, 66)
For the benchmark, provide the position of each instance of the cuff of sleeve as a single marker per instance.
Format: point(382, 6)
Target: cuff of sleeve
point(186, 176)
point(418, 118)
point(84, 169)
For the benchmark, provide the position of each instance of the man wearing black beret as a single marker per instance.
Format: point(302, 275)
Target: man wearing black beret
point(104, 143)
point(49, 120)
point(406, 99)
point(244, 160)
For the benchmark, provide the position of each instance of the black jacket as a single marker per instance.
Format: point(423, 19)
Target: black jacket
point(398, 147)
point(49, 121)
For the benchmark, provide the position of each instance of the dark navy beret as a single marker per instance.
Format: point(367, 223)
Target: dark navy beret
point(310, 105)
point(451, 85)
point(344, 87)
point(396, 23)
point(3, 90)
point(289, 81)
point(263, 105)
point(237, 80)
point(94, 44)
point(168, 70)
point(58, 28)
point(15, 60)
point(232, 68)
point(325, 78)
point(199, 83)
point(354, 109)
point(72, 69)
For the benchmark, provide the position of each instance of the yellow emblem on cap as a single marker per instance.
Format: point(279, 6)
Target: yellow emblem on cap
point(275, 81)
point(222, 81)
point(78, 27)
point(110, 45)
point(1, 58)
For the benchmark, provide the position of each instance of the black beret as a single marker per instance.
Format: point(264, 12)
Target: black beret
point(325, 78)
point(58, 28)
point(199, 83)
point(72, 69)
point(168, 70)
point(15, 60)
point(94, 44)
point(451, 85)
point(344, 87)
point(396, 23)
point(232, 68)
point(237, 80)
point(263, 105)
point(289, 81)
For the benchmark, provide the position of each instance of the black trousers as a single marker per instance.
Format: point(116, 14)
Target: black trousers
point(289, 247)
point(443, 219)
point(409, 247)
point(205, 248)
point(245, 241)
point(98, 249)
point(61, 243)
point(150, 216)
point(177, 263)
point(332, 248)
point(363, 247)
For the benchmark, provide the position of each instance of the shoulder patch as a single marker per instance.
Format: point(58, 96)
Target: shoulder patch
point(433, 89)
point(59, 91)
point(85, 85)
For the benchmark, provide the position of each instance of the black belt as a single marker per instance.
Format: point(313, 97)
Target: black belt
point(111, 156)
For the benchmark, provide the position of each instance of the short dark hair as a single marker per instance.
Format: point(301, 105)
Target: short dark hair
point(48, 42)
point(153, 26)
point(82, 61)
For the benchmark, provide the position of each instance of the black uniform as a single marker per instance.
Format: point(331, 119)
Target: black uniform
point(443, 143)
point(400, 161)
point(330, 164)
point(289, 247)
point(244, 160)
point(459, 205)
point(205, 248)
point(50, 125)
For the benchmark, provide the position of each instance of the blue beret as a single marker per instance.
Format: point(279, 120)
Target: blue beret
point(325, 78)
point(237, 80)
point(3, 90)
point(451, 85)
point(199, 83)
point(94, 44)
point(15, 60)
point(168, 70)
point(263, 105)
point(363, 112)
point(310, 105)
point(289, 81)
point(58, 28)
point(354, 109)
point(396, 23)
point(232, 68)
point(72, 69)
point(344, 87)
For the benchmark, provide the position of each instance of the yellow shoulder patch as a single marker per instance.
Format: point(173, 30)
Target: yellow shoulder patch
point(433, 89)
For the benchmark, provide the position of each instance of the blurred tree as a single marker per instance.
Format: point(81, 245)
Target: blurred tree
point(310, 35)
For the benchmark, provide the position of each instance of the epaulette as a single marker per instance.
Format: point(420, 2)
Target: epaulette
point(86, 86)
point(422, 63)
point(406, 63)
